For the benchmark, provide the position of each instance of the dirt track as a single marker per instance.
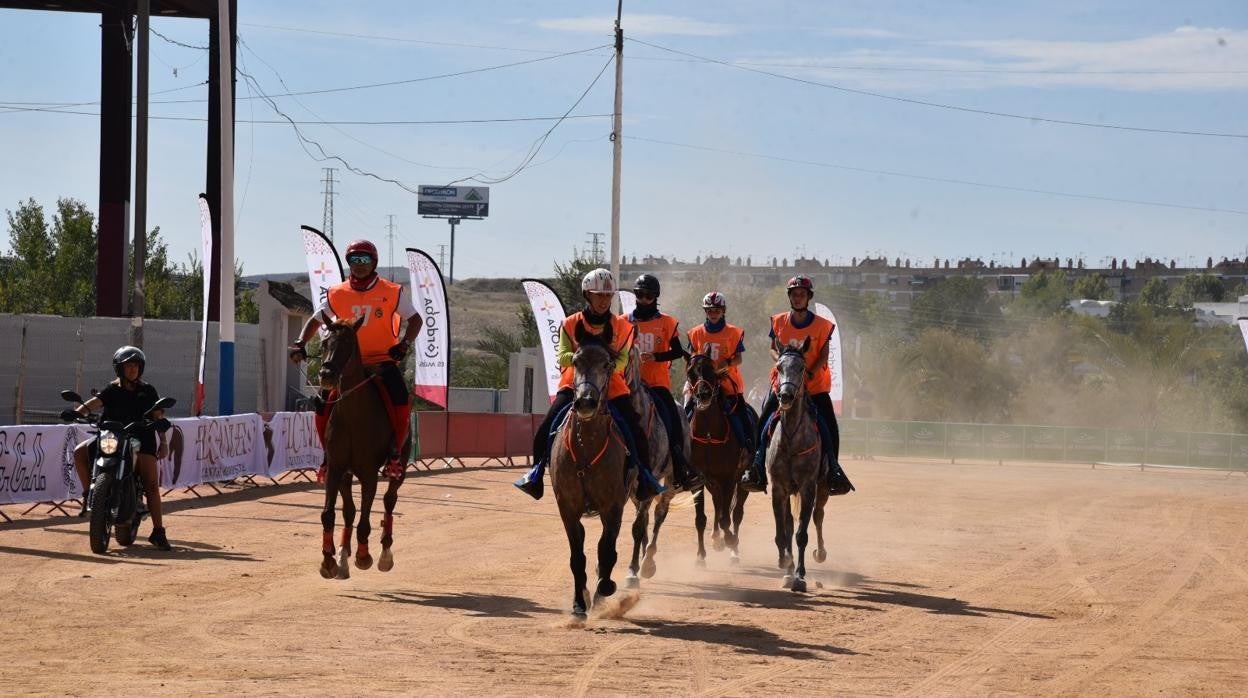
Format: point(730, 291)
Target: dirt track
point(941, 579)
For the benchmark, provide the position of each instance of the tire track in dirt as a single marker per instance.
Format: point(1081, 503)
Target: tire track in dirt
point(585, 676)
point(699, 669)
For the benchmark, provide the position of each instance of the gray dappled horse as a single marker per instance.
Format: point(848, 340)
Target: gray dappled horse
point(357, 442)
point(660, 464)
point(719, 456)
point(793, 460)
point(588, 471)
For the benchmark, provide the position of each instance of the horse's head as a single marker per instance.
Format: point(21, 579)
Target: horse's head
point(791, 374)
point(702, 378)
point(338, 349)
point(592, 364)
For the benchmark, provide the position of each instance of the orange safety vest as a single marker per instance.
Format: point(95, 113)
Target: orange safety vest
point(655, 336)
point(819, 331)
point(621, 339)
point(721, 346)
point(379, 308)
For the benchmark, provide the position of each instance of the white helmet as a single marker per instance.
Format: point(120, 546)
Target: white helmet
point(714, 299)
point(598, 281)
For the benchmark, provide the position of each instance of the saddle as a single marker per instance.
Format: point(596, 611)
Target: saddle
point(618, 424)
point(840, 483)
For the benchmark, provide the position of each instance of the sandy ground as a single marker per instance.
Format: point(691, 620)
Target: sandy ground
point(941, 580)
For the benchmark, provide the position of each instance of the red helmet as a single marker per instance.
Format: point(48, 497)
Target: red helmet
point(362, 246)
point(802, 281)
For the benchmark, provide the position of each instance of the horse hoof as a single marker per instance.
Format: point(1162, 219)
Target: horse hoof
point(632, 581)
point(386, 562)
point(787, 582)
point(329, 568)
point(579, 613)
point(717, 544)
point(606, 587)
point(344, 572)
point(363, 562)
point(648, 568)
point(799, 585)
point(700, 562)
point(820, 555)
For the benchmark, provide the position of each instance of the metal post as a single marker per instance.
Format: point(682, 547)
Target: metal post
point(617, 135)
point(450, 279)
point(139, 301)
point(225, 368)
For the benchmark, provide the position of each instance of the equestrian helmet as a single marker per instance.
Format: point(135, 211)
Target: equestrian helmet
point(647, 282)
point(802, 281)
point(362, 246)
point(598, 281)
point(714, 299)
point(125, 355)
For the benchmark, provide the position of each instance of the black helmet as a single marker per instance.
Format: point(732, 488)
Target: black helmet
point(125, 355)
point(646, 282)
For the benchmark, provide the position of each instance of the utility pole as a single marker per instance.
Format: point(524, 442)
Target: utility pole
point(617, 135)
point(327, 209)
point(595, 247)
point(390, 235)
point(139, 301)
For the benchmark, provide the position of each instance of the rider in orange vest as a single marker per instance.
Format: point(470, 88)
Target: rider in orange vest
point(598, 290)
point(384, 305)
point(658, 337)
point(724, 343)
point(792, 329)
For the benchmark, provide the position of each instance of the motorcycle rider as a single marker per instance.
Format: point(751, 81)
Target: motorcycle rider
point(126, 400)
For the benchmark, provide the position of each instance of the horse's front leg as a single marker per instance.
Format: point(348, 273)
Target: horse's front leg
point(576, 560)
point(784, 531)
point(348, 522)
point(803, 523)
point(648, 566)
point(699, 520)
point(329, 567)
point(368, 492)
point(386, 562)
point(640, 528)
point(821, 501)
point(611, 523)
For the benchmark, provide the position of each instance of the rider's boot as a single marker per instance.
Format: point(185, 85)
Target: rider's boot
point(755, 477)
point(159, 539)
point(647, 486)
point(836, 479)
point(686, 477)
point(532, 483)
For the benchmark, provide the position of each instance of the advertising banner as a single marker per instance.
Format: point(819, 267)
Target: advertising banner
point(36, 463)
point(324, 267)
point(549, 315)
point(835, 363)
point(432, 348)
point(205, 234)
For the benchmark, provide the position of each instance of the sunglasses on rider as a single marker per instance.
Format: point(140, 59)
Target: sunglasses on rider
point(359, 258)
point(644, 295)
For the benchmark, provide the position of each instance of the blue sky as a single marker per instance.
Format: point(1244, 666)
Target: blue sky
point(1168, 66)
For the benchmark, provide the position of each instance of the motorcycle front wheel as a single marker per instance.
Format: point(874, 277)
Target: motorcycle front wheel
point(100, 524)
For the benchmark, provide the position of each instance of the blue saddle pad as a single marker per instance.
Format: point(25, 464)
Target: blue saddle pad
point(620, 424)
point(825, 433)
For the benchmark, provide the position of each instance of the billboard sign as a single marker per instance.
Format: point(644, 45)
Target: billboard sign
point(456, 201)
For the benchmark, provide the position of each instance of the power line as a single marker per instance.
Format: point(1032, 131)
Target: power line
point(175, 42)
point(938, 105)
point(943, 180)
point(418, 122)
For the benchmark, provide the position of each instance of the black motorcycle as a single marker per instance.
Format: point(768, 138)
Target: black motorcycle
point(115, 501)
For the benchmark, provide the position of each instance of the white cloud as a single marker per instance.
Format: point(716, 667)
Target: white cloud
point(861, 33)
point(1188, 58)
point(640, 24)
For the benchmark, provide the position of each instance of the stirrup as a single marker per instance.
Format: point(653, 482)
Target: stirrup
point(531, 484)
point(647, 487)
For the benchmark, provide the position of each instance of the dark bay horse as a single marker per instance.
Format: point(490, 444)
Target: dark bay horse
point(720, 456)
point(660, 464)
point(793, 461)
point(357, 442)
point(589, 472)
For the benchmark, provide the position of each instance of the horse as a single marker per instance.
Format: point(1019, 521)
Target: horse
point(660, 464)
point(357, 442)
point(721, 458)
point(589, 471)
point(793, 462)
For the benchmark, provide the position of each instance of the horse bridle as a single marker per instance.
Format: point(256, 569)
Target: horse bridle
point(715, 385)
point(338, 381)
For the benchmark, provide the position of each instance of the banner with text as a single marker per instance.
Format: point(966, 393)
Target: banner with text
point(432, 349)
point(324, 267)
point(834, 358)
point(549, 315)
point(1243, 329)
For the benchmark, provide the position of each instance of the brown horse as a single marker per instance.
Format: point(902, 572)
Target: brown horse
point(589, 472)
point(793, 461)
point(660, 464)
point(357, 442)
point(721, 458)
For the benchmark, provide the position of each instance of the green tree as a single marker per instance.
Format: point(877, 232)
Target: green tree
point(1155, 294)
point(1198, 288)
point(72, 281)
point(32, 250)
point(1044, 294)
point(1092, 287)
point(959, 304)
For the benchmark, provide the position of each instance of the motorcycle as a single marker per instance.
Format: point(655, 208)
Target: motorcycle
point(115, 501)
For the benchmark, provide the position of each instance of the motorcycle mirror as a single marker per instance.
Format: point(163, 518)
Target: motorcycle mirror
point(71, 396)
point(164, 403)
point(95, 393)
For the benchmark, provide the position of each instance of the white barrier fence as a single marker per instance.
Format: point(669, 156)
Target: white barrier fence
point(36, 462)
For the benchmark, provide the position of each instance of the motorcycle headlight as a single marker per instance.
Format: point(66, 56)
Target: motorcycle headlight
point(108, 443)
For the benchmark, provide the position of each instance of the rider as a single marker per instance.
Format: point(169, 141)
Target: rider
point(127, 400)
point(383, 304)
point(658, 336)
point(724, 343)
point(598, 289)
point(792, 329)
